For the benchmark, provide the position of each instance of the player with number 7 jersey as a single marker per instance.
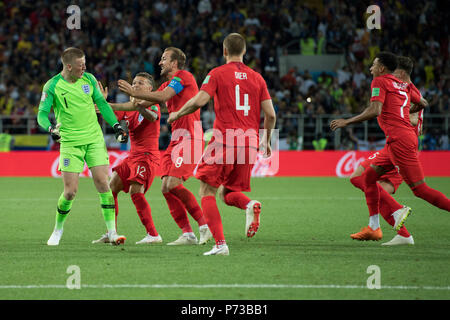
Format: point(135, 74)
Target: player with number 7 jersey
point(391, 100)
point(396, 96)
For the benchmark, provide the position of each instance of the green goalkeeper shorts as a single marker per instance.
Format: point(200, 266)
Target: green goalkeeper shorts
point(72, 158)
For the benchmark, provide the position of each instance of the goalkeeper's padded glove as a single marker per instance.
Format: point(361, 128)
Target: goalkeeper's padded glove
point(54, 132)
point(120, 133)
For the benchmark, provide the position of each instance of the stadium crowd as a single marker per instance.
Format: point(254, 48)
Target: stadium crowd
point(121, 38)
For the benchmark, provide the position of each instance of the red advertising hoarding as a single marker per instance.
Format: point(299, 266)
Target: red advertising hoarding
point(282, 163)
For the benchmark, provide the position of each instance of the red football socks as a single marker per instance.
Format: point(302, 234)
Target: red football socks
point(371, 190)
point(358, 182)
point(190, 203)
point(178, 212)
point(237, 199)
point(386, 200)
point(387, 204)
point(436, 198)
point(213, 219)
point(116, 205)
point(145, 213)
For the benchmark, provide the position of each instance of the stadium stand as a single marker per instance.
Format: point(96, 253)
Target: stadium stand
point(121, 38)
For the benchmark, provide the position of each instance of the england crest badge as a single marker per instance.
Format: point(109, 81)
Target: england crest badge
point(86, 88)
point(66, 162)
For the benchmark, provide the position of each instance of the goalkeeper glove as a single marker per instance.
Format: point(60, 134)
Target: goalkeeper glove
point(54, 132)
point(120, 133)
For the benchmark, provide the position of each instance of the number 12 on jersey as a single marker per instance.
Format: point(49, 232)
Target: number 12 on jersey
point(246, 106)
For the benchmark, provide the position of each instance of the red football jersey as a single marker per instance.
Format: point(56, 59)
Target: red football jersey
point(238, 92)
point(416, 95)
point(185, 86)
point(144, 134)
point(419, 125)
point(396, 98)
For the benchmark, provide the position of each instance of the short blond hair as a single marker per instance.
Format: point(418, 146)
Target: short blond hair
point(70, 54)
point(235, 44)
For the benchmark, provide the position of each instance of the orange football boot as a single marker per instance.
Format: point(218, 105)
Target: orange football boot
point(367, 233)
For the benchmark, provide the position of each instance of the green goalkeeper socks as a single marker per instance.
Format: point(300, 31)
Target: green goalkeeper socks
point(62, 210)
point(108, 209)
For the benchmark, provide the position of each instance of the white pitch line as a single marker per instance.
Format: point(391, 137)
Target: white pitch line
point(209, 286)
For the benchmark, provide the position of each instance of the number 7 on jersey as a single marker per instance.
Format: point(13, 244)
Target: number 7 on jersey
point(246, 106)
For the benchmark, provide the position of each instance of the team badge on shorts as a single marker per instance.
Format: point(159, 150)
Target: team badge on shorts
point(66, 162)
point(86, 88)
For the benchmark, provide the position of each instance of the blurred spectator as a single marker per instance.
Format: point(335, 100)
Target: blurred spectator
point(164, 137)
point(292, 140)
point(208, 117)
point(6, 142)
point(429, 140)
point(320, 142)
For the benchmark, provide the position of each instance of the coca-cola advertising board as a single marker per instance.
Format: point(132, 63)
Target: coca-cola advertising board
point(281, 163)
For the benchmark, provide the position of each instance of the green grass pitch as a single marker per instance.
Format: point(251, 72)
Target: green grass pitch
point(302, 251)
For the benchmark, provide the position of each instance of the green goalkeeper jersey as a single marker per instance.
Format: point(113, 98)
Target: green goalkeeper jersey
point(73, 105)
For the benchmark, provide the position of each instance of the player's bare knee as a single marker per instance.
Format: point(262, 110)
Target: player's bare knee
point(222, 192)
point(136, 188)
point(70, 194)
point(164, 188)
point(358, 172)
point(206, 190)
point(114, 188)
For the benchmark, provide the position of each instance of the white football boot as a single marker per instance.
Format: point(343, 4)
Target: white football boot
point(103, 239)
point(187, 238)
point(55, 237)
point(205, 234)
point(399, 240)
point(252, 218)
point(150, 239)
point(400, 217)
point(115, 239)
point(218, 250)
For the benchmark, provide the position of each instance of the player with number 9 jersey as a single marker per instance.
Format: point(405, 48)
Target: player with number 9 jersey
point(184, 130)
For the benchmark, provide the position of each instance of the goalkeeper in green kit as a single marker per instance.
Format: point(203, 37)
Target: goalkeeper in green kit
point(72, 94)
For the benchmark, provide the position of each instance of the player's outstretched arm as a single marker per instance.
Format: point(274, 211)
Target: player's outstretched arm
point(372, 111)
point(151, 114)
point(196, 102)
point(153, 96)
point(127, 106)
point(99, 99)
point(269, 124)
point(419, 106)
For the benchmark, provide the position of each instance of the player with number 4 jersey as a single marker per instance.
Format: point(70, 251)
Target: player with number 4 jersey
point(239, 95)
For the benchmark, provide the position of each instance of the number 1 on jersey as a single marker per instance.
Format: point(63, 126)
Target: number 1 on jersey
point(246, 106)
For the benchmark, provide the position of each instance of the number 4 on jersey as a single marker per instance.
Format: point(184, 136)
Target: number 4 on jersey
point(246, 106)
